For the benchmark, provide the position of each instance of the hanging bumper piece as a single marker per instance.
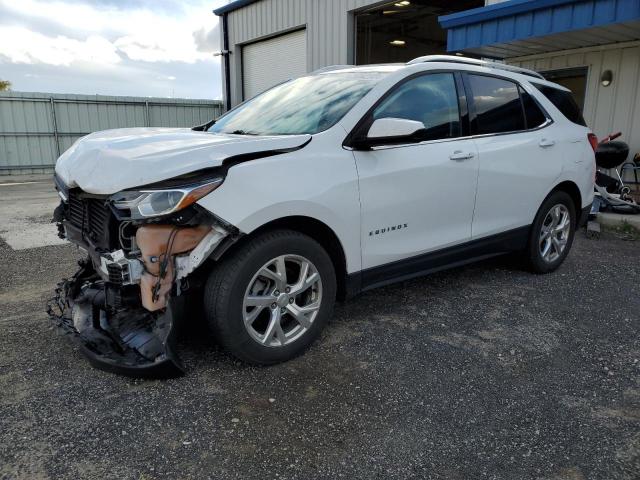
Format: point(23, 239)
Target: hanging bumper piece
point(113, 330)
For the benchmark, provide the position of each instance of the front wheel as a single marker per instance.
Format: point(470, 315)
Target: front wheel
point(552, 233)
point(270, 299)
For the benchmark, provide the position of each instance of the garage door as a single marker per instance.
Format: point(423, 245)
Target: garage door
point(272, 61)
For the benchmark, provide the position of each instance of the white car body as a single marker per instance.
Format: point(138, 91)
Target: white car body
point(396, 210)
point(446, 202)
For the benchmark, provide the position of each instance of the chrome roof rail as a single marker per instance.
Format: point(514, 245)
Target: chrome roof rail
point(476, 62)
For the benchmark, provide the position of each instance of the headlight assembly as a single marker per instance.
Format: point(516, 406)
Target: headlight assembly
point(155, 203)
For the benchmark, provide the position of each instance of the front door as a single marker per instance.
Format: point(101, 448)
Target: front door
point(419, 197)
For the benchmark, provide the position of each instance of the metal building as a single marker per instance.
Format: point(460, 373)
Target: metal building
point(268, 41)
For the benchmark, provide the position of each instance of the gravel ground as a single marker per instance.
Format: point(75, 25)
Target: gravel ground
point(479, 372)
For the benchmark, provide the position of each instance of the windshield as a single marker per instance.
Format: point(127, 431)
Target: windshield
point(304, 105)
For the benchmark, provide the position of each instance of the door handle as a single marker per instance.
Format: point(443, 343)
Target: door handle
point(546, 143)
point(460, 155)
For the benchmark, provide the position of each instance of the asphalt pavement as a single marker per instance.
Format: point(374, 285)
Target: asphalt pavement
point(480, 372)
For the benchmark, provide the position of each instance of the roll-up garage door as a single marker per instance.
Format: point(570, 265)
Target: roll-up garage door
point(269, 62)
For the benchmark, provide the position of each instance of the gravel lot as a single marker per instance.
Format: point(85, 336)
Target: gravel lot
point(479, 372)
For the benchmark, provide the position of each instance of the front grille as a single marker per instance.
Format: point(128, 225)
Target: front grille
point(91, 215)
point(76, 210)
point(98, 217)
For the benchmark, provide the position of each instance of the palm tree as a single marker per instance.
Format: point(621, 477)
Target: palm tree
point(5, 85)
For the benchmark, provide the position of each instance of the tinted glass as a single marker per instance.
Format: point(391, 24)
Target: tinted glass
point(564, 102)
point(304, 105)
point(532, 112)
point(430, 99)
point(497, 105)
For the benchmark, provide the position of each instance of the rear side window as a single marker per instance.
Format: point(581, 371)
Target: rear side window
point(564, 102)
point(534, 115)
point(497, 105)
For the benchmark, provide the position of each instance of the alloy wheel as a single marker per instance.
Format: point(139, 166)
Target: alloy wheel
point(554, 233)
point(282, 300)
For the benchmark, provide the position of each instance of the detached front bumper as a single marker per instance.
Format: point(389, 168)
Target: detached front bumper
point(116, 338)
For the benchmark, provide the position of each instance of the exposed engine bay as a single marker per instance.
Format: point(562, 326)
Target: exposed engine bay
point(144, 250)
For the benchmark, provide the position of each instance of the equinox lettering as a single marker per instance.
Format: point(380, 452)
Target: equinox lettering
point(380, 231)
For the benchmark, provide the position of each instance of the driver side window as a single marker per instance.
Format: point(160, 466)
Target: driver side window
point(431, 99)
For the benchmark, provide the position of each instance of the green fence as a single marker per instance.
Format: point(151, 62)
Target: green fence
point(35, 128)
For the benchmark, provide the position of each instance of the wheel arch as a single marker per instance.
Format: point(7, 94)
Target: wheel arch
point(317, 230)
point(572, 189)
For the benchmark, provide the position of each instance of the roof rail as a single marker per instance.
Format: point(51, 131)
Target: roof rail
point(330, 68)
point(476, 62)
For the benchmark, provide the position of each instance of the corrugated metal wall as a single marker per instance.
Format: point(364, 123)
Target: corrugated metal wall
point(607, 109)
point(36, 127)
point(329, 31)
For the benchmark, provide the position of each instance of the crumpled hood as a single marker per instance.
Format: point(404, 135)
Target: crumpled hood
point(113, 160)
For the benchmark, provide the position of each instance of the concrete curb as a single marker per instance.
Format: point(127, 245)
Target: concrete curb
point(616, 220)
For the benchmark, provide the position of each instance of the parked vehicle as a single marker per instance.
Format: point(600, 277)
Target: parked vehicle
point(320, 188)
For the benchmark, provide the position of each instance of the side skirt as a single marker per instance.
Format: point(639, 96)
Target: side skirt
point(451, 257)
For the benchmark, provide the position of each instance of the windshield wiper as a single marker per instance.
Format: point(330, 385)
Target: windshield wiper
point(242, 132)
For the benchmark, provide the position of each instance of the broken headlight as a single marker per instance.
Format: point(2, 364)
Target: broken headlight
point(155, 203)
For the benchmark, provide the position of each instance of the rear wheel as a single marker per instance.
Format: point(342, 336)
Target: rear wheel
point(552, 233)
point(270, 299)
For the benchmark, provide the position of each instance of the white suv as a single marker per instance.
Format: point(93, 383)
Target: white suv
point(320, 188)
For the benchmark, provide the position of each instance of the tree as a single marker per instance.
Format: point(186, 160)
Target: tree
point(5, 85)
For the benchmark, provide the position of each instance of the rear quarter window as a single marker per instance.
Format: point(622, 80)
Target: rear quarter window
point(533, 114)
point(564, 102)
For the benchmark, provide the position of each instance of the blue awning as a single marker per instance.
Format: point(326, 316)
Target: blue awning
point(524, 27)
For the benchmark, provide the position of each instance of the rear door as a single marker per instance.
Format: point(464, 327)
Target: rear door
point(418, 197)
point(520, 155)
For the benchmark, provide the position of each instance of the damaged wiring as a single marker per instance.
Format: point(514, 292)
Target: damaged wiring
point(164, 264)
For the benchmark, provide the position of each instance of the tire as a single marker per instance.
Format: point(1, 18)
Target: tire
point(535, 257)
point(242, 279)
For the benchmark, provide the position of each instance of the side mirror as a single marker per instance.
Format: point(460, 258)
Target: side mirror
point(389, 128)
point(392, 131)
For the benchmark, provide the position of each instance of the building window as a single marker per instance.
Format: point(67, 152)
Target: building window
point(400, 31)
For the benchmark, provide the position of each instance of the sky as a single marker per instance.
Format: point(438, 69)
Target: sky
point(161, 48)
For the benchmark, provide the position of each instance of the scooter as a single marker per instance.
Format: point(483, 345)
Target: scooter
point(611, 192)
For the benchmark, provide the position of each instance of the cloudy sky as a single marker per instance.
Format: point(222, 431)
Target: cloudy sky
point(158, 48)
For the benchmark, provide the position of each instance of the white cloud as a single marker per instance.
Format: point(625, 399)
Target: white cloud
point(20, 45)
point(101, 34)
point(173, 47)
point(111, 47)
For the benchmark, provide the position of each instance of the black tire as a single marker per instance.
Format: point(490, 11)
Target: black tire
point(533, 256)
point(227, 284)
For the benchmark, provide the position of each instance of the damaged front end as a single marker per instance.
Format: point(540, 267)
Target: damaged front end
point(144, 253)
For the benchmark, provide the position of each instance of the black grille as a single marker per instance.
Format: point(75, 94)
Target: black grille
point(91, 215)
point(76, 210)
